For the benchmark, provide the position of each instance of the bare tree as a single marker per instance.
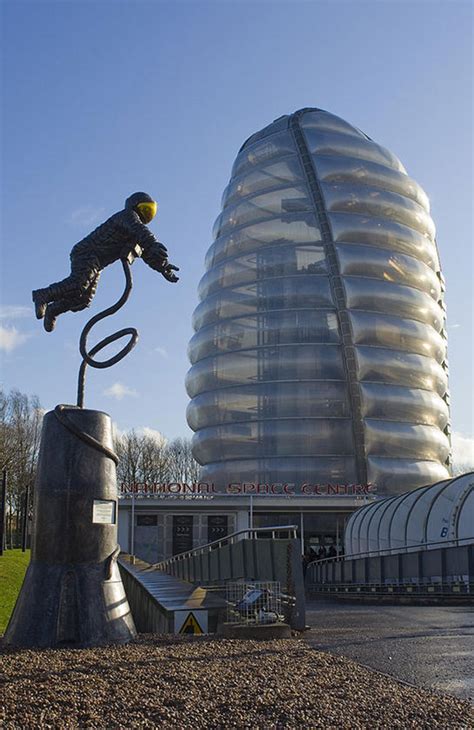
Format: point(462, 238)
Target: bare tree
point(155, 460)
point(149, 459)
point(183, 466)
point(20, 431)
point(128, 448)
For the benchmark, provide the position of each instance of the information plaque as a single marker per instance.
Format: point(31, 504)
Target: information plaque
point(103, 512)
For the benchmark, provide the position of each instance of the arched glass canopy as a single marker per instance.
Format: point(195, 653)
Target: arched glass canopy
point(428, 516)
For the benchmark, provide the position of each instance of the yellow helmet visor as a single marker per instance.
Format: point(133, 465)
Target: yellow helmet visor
point(147, 211)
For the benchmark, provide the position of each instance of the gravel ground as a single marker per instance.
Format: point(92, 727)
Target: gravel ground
point(203, 682)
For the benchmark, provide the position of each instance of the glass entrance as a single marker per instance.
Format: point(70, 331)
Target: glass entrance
point(323, 532)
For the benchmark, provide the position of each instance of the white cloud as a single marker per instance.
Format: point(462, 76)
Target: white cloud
point(119, 391)
point(463, 452)
point(13, 311)
point(154, 434)
point(161, 351)
point(87, 215)
point(142, 431)
point(10, 338)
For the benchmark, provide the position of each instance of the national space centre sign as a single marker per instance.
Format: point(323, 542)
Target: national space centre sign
point(283, 489)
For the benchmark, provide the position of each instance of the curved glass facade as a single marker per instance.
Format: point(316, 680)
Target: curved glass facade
point(319, 351)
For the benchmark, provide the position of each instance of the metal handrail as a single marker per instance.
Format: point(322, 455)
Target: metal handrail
point(252, 532)
point(395, 551)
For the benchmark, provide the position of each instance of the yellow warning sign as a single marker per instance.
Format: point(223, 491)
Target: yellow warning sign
point(191, 625)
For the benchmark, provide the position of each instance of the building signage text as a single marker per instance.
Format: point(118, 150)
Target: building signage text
point(248, 488)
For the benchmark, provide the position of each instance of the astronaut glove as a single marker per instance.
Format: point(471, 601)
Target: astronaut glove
point(167, 272)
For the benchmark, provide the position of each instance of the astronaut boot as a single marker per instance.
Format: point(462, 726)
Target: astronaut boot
point(52, 312)
point(41, 297)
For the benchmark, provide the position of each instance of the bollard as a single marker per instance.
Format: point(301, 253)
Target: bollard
point(295, 586)
point(73, 594)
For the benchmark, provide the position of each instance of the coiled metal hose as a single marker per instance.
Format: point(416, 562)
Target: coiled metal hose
point(88, 357)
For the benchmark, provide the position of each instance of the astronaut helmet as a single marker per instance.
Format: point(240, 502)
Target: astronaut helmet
point(143, 204)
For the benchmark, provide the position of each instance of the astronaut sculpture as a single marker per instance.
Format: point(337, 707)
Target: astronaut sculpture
point(122, 236)
point(73, 594)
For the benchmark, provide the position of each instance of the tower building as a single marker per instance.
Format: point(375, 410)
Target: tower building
point(319, 352)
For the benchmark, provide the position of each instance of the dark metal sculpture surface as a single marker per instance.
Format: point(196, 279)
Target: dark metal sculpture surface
point(123, 235)
point(73, 594)
point(88, 357)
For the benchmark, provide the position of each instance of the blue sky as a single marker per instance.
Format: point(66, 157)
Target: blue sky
point(104, 98)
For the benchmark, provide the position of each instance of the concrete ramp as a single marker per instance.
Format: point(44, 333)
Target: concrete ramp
point(253, 554)
point(161, 603)
point(157, 593)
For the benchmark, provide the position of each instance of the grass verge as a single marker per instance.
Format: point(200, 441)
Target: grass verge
point(13, 565)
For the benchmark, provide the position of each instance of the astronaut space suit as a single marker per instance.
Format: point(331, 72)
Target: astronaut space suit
point(116, 238)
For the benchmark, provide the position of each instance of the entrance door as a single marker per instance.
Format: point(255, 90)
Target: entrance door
point(182, 533)
point(216, 527)
point(148, 538)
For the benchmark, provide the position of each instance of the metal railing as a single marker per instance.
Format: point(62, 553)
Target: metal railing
point(254, 554)
point(436, 563)
point(457, 542)
point(285, 532)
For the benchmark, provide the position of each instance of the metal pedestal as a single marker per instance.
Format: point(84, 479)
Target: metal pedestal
point(73, 594)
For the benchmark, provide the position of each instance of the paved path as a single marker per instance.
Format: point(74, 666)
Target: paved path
point(430, 646)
